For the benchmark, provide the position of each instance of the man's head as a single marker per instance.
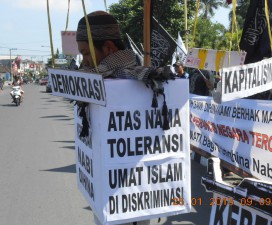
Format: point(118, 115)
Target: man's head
point(106, 36)
point(179, 67)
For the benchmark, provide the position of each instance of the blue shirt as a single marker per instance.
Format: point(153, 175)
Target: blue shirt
point(184, 76)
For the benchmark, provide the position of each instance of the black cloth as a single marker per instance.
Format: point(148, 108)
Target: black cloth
point(162, 45)
point(255, 39)
point(197, 82)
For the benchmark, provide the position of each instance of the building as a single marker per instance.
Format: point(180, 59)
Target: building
point(4, 70)
point(30, 67)
point(6, 60)
point(16, 65)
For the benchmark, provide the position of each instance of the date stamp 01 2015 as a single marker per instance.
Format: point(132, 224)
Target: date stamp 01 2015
point(222, 201)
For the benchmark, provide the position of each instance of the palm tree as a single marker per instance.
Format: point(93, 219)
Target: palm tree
point(209, 6)
point(241, 12)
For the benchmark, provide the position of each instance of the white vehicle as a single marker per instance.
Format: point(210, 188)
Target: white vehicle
point(16, 95)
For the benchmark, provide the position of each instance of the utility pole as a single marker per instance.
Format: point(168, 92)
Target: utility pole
point(11, 76)
point(45, 46)
point(32, 57)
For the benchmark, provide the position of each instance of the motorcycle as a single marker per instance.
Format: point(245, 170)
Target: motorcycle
point(16, 95)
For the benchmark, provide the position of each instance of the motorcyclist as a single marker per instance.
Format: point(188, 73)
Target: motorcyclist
point(17, 82)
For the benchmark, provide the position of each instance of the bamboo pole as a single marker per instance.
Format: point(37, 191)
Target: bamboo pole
point(147, 38)
point(50, 35)
point(195, 23)
point(186, 24)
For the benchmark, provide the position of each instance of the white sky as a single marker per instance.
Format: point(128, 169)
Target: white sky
point(24, 24)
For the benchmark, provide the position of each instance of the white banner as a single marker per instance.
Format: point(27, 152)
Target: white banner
point(226, 210)
point(238, 132)
point(243, 81)
point(128, 167)
point(208, 59)
point(60, 61)
point(79, 86)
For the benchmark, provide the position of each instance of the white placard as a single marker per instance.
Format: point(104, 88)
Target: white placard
point(243, 81)
point(128, 167)
point(238, 132)
point(226, 210)
point(60, 61)
point(69, 44)
point(79, 86)
point(208, 59)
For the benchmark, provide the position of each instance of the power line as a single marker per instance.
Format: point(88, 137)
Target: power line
point(21, 49)
point(55, 40)
point(46, 56)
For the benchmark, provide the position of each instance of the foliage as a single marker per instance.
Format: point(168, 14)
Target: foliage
point(209, 35)
point(130, 17)
point(170, 15)
point(57, 54)
point(209, 6)
point(241, 11)
point(43, 73)
point(49, 60)
point(234, 40)
point(28, 76)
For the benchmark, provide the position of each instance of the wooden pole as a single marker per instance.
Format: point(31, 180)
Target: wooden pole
point(186, 24)
point(147, 38)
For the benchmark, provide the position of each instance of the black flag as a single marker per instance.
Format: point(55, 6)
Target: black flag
point(255, 39)
point(162, 45)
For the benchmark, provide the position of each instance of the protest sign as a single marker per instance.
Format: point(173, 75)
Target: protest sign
point(237, 132)
point(79, 86)
point(69, 44)
point(208, 59)
point(237, 200)
point(128, 167)
point(226, 210)
point(243, 81)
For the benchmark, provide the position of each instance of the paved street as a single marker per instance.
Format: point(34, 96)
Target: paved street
point(37, 164)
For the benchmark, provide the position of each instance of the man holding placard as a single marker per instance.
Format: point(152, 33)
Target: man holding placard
point(112, 59)
point(133, 160)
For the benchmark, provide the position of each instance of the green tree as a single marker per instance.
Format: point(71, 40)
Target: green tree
point(208, 7)
point(209, 35)
point(49, 60)
point(233, 38)
point(129, 13)
point(57, 54)
point(170, 15)
point(241, 11)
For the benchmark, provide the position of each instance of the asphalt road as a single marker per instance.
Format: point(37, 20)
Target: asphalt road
point(37, 164)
